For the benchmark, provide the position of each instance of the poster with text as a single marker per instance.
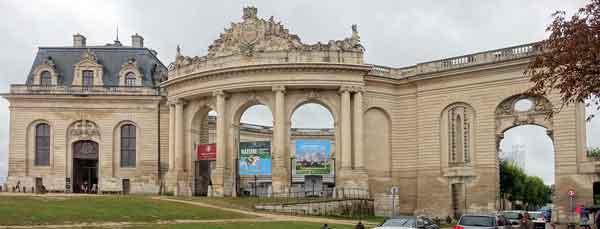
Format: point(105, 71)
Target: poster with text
point(255, 158)
point(313, 157)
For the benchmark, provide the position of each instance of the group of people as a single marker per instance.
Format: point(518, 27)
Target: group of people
point(85, 188)
point(584, 217)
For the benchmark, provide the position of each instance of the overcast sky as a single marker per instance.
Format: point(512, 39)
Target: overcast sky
point(394, 33)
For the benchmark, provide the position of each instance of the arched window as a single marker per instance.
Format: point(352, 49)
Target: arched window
point(130, 80)
point(128, 143)
point(42, 144)
point(459, 128)
point(45, 78)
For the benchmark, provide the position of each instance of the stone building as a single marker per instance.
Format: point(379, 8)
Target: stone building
point(431, 129)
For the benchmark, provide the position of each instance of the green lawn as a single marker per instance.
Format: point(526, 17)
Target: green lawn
point(247, 203)
point(247, 225)
point(68, 210)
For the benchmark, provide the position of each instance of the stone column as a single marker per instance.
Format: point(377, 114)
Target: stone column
point(171, 136)
point(279, 173)
point(359, 175)
point(358, 129)
point(346, 146)
point(179, 136)
point(218, 178)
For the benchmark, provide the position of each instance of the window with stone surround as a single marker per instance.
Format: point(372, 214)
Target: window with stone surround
point(130, 79)
point(459, 118)
point(45, 78)
point(87, 78)
point(42, 144)
point(128, 145)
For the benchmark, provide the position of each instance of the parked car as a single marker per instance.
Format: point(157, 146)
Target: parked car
point(483, 221)
point(513, 217)
point(407, 222)
point(537, 218)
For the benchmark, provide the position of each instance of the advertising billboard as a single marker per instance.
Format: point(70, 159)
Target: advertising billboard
point(255, 158)
point(313, 157)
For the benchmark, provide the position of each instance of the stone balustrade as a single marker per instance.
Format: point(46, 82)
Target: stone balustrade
point(23, 89)
point(488, 57)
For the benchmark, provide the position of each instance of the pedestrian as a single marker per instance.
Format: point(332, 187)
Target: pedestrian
point(525, 222)
point(584, 218)
point(597, 219)
point(360, 225)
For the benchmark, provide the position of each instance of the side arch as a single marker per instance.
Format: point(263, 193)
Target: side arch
point(378, 138)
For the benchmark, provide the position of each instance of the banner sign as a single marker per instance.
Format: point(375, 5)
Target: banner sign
point(206, 152)
point(255, 158)
point(313, 157)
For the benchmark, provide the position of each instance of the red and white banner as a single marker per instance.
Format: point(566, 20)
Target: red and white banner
point(206, 152)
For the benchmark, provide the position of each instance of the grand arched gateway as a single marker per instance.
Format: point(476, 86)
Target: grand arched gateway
point(431, 129)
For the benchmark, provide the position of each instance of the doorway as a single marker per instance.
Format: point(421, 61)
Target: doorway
point(201, 177)
point(85, 167)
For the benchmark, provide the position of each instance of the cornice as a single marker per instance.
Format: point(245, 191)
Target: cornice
point(263, 68)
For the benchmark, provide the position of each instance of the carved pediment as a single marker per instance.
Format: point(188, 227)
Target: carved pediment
point(84, 130)
point(254, 35)
point(88, 58)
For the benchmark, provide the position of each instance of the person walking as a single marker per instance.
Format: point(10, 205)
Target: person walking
point(525, 221)
point(584, 218)
point(597, 219)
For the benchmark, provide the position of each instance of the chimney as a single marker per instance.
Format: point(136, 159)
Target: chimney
point(78, 41)
point(137, 41)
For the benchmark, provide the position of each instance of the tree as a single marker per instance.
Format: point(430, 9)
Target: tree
point(569, 60)
point(515, 185)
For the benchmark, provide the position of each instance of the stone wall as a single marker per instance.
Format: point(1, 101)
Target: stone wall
point(107, 114)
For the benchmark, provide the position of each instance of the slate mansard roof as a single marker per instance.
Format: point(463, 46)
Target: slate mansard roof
point(110, 57)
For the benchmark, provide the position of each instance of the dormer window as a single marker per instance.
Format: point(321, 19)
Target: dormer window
point(87, 78)
point(130, 79)
point(45, 78)
point(130, 74)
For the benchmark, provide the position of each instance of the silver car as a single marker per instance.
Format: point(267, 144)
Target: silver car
point(483, 221)
point(408, 222)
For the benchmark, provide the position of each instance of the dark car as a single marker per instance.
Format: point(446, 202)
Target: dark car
point(408, 222)
point(483, 221)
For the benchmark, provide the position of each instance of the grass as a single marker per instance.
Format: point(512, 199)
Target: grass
point(31, 210)
point(247, 225)
point(247, 203)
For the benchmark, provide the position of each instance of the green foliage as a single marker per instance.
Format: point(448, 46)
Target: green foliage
point(593, 152)
point(516, 185)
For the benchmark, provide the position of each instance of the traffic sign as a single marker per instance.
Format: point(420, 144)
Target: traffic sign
point(571, 193)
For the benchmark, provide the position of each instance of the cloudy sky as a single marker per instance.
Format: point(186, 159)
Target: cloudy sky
point(395, 33)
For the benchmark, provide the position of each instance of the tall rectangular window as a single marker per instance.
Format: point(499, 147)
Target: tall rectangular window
point(87, 78)
point(42, 144)
point(128, 143)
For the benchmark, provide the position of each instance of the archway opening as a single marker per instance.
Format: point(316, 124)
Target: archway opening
point(254, 137)
point(527, 168)
point(85, 166)
point(312, 150)
point(204, 153)
point(592, 128)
